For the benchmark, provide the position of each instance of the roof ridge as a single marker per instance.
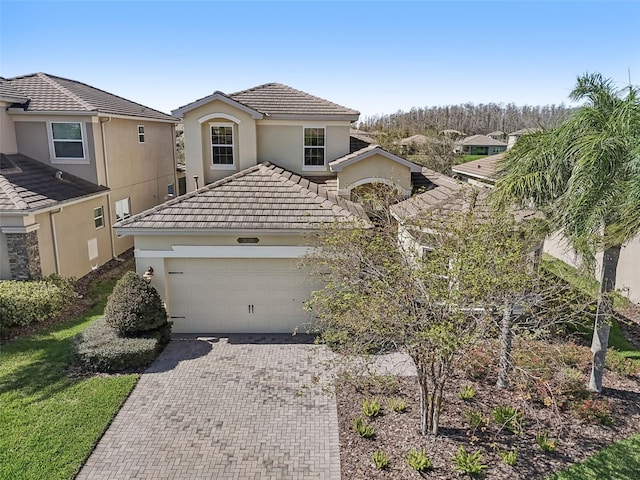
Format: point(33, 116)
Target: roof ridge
point(13, 195)
point(53, 83)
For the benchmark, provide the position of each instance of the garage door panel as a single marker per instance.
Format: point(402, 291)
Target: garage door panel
point(237, 295)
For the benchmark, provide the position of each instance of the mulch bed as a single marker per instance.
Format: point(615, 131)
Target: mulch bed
point(81, 305)
point(397, 433)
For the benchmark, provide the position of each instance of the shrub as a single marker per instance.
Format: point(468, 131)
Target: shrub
point(509, 418)
point(469, 463)
point(397, 405)
point(100, 349)
point(24, 302)
point(476, 420)
point(510, 457)
point(362, 428)
point(622, 365)
point(594, 410)
point(478, 363)
point(380, 459)
point(371, 408)
point(134, 306)
point(546, 445)
point(419, 460)
point(467, 392)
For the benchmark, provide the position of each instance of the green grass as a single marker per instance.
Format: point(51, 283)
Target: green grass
point(620, 461)
point(49, 422)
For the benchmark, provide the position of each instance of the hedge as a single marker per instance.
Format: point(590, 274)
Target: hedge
point(24, 302)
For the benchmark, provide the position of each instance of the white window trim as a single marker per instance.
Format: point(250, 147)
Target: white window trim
point(101, 208)
point(219, 166)
point(124, 217)
point(140, 134)
point(67, 160)
point(315, 168)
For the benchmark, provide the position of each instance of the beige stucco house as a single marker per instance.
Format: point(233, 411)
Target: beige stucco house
point(265, 167)
point(75, 160)
point(480, 145)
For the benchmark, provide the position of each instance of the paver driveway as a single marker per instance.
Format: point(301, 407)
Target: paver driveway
point(235, 407)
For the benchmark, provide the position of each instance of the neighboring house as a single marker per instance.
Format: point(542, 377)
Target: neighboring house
point(480, 145)
point(273, 165)
point(514, 136)
point(483, 172)
point(75, 161)
point(497, 135)
point(480, 172)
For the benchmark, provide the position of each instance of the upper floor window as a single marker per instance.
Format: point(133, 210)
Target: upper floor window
point(123, 209)
point(222, 144)
point(314, 147)
point(140, 133)
point(67, 140)
point(98, 217)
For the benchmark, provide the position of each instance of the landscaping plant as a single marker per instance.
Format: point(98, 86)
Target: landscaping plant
point(363, 428)
point(419, 460)
point(469, 463)
point(380, 459)
point(371, 408)
point(398, 405)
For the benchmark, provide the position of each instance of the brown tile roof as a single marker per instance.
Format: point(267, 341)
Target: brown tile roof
point(275, 99)
point(431, 188)
point(49, 93)
point(483, 168)
point(7, 91)
point(418, 139)
point(29, 185)
point(482, 141)
point(261, 197)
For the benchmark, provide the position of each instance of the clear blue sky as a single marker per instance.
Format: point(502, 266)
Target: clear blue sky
point(374, 56)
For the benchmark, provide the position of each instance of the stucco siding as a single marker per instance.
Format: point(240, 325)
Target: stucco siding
point(75, 230)
point(374, 167)
point(33, 140)
point(8, 143)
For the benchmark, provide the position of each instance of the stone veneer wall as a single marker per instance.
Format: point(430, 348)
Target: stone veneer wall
point(24, 255)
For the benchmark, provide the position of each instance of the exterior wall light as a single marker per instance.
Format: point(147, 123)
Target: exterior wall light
point(148, 275)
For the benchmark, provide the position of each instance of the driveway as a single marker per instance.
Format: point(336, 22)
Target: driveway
point(229, 407)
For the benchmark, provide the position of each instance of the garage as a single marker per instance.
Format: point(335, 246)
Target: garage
point(237, 295)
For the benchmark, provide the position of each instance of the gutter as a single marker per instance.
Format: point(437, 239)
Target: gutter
point(105, 161)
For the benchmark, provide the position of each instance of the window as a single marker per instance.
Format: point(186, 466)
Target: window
point(98, 217)
point(123, 209)
point(314, 147)
point(222, 144)
point(67, 140)
point(170, 189)
point(140, 133)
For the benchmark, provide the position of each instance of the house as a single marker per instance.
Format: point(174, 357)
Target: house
point(75, 160)
point(497, 135)
point(483, 172)
point(266, 167)
point(514, 136)
point(480, 145)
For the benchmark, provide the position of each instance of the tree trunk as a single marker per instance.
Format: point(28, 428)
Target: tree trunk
point(506, 338)
point(601, 325)
point(425, 411)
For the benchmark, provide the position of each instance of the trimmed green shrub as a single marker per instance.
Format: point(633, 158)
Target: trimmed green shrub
point(134, 306)
point(99, 348)
point(24, 302)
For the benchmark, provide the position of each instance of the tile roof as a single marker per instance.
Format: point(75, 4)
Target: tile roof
point(482, 141)
point(483, 168)
point(7, 91)
point(276, 99)
point(29, 185)
point(49, 93)
point(261, 197)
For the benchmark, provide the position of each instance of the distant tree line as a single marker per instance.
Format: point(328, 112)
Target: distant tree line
point(468, 118)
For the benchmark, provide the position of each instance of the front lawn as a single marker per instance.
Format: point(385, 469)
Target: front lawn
point(49, 421)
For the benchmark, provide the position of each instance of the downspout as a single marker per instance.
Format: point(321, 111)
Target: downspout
point(106, 179)
point(54, 235)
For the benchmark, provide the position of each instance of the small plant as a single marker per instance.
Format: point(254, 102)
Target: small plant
point(467, 392)
point(476, 420)
point(595, 410)
point(469, 463)
point(397, 405)
point(419, 460)
point(371, 408)
point(380, 459)
point(509, 418)
point(510, 457)
point(546, 445)
point(363, 428)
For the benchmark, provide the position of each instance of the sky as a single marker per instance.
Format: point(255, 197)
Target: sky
point(377, 57)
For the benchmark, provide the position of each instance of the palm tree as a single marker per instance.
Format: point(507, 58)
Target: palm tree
point(585, 175)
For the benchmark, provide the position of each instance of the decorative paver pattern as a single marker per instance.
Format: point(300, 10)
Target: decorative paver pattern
point(235, 407)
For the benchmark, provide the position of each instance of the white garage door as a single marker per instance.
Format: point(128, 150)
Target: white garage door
point(237, 295)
